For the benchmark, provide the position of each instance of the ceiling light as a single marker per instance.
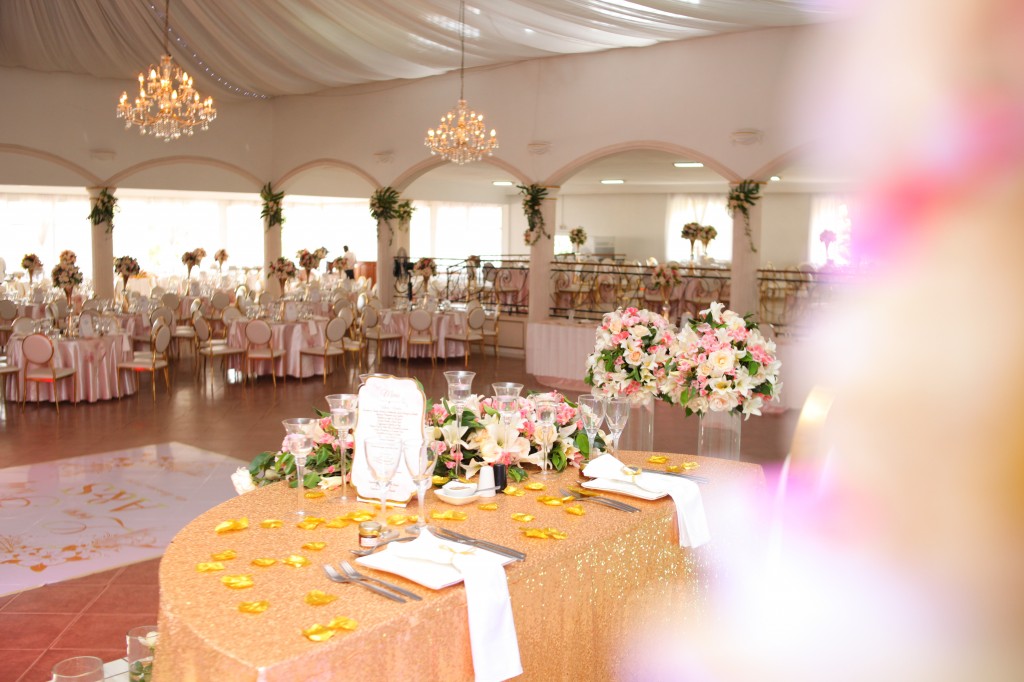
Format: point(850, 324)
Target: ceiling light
point(461, 137)
point(167, 106)
point(527, 30)
point(775, 178)
point(688, 164)
point(502, 183)
point(612, 182)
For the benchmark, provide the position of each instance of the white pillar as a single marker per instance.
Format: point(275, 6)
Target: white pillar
point(271, 252)
point(743, 297)
point(102, 252)
point(386, 250)
point(541, 255)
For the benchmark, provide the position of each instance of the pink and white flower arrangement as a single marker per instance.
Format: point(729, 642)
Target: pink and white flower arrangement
point(707, 233)
point(424, 267)
point(827, 237)
point(330, 459)
point(310, 260)
point(191, 259)
point(125, 267)
point(31, 263)
point(724, 364)
point(68, 256)
point(633, 354)
point(577, 236)
point(282, 268)
point(666, 275)
point(692, 231)
point(66, 276)
point(221, 256)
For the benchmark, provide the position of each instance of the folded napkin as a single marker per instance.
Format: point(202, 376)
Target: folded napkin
point(387, 318)
point(492, 632)
point(693, 525)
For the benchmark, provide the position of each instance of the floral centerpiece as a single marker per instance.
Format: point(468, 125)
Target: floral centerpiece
point(691, 232)
point(330, 460)
point(125, 267)
point(281, 268)
point(32, 265)
point(707, 234)
point(310, 260)
point(473, 262)
point(424, 267)
point(221, 257)
point(68, 256)
point(577, 237)
point(665, 277)
point(336, 264)
point(633, 355)
point(191, 259)
point(66, 276)
point(827, 238)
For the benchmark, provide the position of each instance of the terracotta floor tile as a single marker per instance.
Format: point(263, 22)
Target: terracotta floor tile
point(57, 598)
point(14, 663)
point(142, 573)
point(101, 578)
point(32, 631)
point(42, 670)
point(135, 599)
point(101, 630)
point(4, 600)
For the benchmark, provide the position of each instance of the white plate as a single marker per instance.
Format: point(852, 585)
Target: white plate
point(624, 487)
point(427, 573)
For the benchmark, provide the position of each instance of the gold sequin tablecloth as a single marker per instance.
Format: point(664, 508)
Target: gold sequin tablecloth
point(577, 602)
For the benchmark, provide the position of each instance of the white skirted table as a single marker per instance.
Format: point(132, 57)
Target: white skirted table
point(556, 352)
point(95, 359)
point(291, 337)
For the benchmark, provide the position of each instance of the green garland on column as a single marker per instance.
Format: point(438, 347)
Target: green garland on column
point(103, 208)
point(742, 198)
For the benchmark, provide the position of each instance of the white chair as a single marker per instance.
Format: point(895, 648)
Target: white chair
point(38, 350)
point(258, 336)
point(371, 330)
point(421, 333)
point(172, 301)
point(207, 348)
point(265, 298)
point(8, 313)
point(342, 304)
point(490, 330)
point(153, 360)
point(7, 371)
point(473, 332)
point(232, 315)
point(23, 326)
point(332, 347)
point(183, 331)
point(220, 301)
point(158, 292)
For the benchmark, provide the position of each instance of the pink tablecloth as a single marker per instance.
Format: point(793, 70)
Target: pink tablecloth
point(96, 361)
point(397, 322)
point(291, 337)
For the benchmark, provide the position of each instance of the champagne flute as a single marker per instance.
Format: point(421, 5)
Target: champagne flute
point(460, 385)
point(420, 460)
point(382, 457)
point(617, 413)
point(546, 408)
point(591, 414)
point(507, 406)
point(343, 418)
point(299, 449)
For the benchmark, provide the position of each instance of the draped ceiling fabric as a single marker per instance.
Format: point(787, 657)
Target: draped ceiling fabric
point(268, 48)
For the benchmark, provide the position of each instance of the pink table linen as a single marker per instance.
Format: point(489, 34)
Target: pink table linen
point(96, 361)
point(397, 322)
point(291, 337)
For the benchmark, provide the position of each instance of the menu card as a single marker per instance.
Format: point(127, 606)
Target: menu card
point(394, 409)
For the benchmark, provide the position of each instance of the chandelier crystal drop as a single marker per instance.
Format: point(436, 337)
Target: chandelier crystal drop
point(168, 106)
point(461, 137)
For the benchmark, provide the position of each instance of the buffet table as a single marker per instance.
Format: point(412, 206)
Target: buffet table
point(577, 602)
point(95, 359)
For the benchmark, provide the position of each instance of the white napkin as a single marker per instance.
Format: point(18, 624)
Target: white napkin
point(387, 318)
point(492, 632)
point(693, 525)
point(85, 328)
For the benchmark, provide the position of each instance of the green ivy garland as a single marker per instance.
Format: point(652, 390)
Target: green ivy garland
point(386, 204)
point(103, 209)
point(533, 199)
point(272, 211)
point(742, 198)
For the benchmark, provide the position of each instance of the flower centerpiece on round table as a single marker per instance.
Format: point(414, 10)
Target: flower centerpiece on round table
point(331, 458)
point(424, 268)
point(68, 256)
point(310, 260)
point(191, 259)
point(221, 257)
point(577, 237)
point(707, 234)
point(32, 265)
point(125, 267)
point(66, 276)
point(827, 237)
point(665, 277)
point(283, 269)
point(691, 232)
point(336, 264)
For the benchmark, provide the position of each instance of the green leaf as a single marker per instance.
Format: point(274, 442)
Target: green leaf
point(261, 462)
point(311, 479)
point(517, 473)
point(583, 443)
point(320, 413)
point(558, 459)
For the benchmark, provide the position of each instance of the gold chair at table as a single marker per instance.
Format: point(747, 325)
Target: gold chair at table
point(38, 350)
point(6, 372)
point(153, 360)
point(332, 346)
point(421, 333)
point(473, 332)
point(8, 313)
point(258, 348)
point(208, 348)
point(372, 331)
point(490, 329)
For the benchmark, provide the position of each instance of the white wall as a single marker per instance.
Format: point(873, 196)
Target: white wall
point(785, 226)
point(636, 221)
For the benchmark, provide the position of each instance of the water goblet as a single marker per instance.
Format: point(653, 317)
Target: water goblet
point(382, 457)
point(617, 413)
point(591, 414)
point(546, 408)
point(79, 669)
point(460, 386)
point(507, 388)
point(420, 460)
point(343, 418)
point(507, 406)
point(299, 449)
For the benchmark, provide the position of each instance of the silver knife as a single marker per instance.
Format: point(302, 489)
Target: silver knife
point(482, 544)
point(691, 477)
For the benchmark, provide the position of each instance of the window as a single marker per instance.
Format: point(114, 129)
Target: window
point(449, 230)
point(706, 209)
point(330, 222)
point(45, 221)
point(830, 213)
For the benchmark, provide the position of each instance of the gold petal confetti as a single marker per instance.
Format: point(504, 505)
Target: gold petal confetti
point(338, 522)
point(439, 480)
point(402, 519)
point(237, 582)
point(574, 509)
point(489, 506)
point(314, 546)
point(263, 563)
point(535, 533)
point(310, 523)
point(318, 598)
point(232, 524)
point(296, 561)
point(318, 633)
point(673, 468)
point(514, 491)
point(534, 486)
point(210, 567)
point(556, 534)
point(343, 623)
point(313, 494)
point(522, 517)
point(449, 515)
point(687, 466)
point(271, 523)
point(550, 500)
point(226, 555)
point(657, 459)
point(545, 533)
point(253, 606)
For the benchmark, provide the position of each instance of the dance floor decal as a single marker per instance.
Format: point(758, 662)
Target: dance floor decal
point(72, 517)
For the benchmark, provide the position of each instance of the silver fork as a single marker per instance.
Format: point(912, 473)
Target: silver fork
point(353, 574)
point(333, 574)
point(607, 501)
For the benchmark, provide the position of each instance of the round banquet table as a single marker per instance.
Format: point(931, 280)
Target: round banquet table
point(397, 322)
point(577, 603)
point(95, 359)
point(291, 337)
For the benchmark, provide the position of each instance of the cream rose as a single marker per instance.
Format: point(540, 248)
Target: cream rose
point(242, 481)
point(721, 402)
point(721, 361)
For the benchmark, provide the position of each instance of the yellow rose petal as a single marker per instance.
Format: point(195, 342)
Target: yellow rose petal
point(535, 533)
point(232, 525)
point(449, 515)
point(402, 519)
point(550, 500)
point(318, 598)
point(673, 468)
point(359, 516)
point(544, 533)
point(338, 522)
point(296, 561)
point(489, 506)
point(210, 566)
point(687, 466)
point(253, 606)
point(534, 486)
point(318, 633)
point(574, 509)
point(237, 582)
point(263, 563)
point(657, 459)
point(226, 555)
point(439, 480)
point(271, 523)
point(522, 518)
point(314, 546)
point(514, 491)
point(313, 494)
point(343, 623)
point(556, 534)
point(310, 523)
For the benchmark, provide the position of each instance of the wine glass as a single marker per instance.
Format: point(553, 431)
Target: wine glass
point(299, 449)
point(617, 413)
point(507, 406)
point(591, 414)
point(420, 460)
point(546, 408)
point(507, 388)
point(343, 418)
point(383, 456)
point(460, 386)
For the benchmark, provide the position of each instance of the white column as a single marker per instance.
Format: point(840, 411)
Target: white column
point(102, 252)
point(743, 296)
point(386, 249)
point(271, 252)
point(541, 255)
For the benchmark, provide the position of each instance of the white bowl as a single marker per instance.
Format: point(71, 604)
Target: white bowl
point(457, 501)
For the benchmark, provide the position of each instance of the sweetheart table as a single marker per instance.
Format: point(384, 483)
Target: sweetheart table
point(577, 602)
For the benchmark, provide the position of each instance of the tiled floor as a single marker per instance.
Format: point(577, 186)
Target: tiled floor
point(90, 615)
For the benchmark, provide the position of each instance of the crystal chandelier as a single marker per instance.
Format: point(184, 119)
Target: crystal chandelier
point(461, 137)
point(167, 106)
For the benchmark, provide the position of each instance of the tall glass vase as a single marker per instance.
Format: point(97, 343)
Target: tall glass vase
point(639, 431)
point(719, 435)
